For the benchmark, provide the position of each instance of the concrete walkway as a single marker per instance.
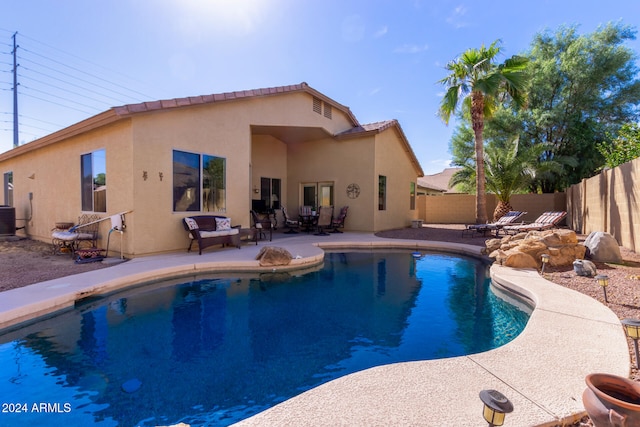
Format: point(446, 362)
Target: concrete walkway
point(542, 371)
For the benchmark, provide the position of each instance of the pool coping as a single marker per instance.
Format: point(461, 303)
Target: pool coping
point(542, 371)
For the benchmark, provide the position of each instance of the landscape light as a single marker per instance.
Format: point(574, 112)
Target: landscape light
point(632, 329)
point(603, 281)
point(545, 261)
point(496, 405)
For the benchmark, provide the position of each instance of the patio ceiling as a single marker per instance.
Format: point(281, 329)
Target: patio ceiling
point(291, 134)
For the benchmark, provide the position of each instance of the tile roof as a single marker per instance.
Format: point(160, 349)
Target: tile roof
point(116, 113)
point(165, 104)
point(439, 181)
point(377, 127)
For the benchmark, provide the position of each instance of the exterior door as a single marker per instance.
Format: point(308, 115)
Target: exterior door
point(316, 194)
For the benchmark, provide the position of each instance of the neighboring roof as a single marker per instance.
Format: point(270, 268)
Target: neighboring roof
point(439, 181)
point(378, 127)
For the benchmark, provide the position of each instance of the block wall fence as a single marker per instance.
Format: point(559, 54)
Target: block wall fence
point(607, 202)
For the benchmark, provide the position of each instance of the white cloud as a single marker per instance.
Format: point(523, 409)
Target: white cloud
point(381, 32)
point(456, 17)
point(412, 48)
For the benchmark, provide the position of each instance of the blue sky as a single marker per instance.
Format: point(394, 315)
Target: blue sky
point(380, 58)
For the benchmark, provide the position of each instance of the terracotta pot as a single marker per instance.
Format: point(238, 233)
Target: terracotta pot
point(612, 401)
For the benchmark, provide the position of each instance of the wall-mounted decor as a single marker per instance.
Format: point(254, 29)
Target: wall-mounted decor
point(353, 191)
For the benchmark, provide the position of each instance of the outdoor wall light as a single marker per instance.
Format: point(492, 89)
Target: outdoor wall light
point(603, 280)
point(496, 405)
point(632, 329)
point(545, 261)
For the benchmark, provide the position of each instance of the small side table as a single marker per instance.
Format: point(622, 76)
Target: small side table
point(251, 233)
point(416, 223)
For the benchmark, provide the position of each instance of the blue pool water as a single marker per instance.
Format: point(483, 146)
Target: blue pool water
point(213, 351)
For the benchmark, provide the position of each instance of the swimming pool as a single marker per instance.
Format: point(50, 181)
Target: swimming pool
point(212, 351)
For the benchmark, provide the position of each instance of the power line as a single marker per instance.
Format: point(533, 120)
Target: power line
point(79, 89)
point(94, 64)
point(83, 72)
point(68, 83)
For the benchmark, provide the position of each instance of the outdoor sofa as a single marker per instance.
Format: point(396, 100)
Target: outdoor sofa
point(209, 230)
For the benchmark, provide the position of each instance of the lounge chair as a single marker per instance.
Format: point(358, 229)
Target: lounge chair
point(324, 220)
point(338, 222)
point(507, 219)
point(291, 224)
point(545, 221)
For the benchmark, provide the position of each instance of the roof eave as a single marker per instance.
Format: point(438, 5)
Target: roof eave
point(94, 122)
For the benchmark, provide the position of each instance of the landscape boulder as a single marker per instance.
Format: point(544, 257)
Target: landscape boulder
point(524, 250)
point(603, 247)
point(271, 256)
point(583, 267)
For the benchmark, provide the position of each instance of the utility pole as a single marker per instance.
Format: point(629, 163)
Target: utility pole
point(15, 93)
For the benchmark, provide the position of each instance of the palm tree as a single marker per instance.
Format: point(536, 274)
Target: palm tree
point(482, 85)
point(509, 170)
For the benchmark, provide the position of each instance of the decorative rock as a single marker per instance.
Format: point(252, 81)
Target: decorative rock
point(603, 247)
point(131, 386)
point(524, 250)
point(583, 267)
point(272, 256)
point(520, 260)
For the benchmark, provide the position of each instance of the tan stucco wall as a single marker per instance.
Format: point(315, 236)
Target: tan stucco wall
point(268, 160)
point(56, 179)
point(392, 161)
point(342, 162)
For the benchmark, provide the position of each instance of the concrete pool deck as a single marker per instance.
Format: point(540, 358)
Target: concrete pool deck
point(542, 371)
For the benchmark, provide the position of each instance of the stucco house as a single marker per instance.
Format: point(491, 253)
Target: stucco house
point(222, 154)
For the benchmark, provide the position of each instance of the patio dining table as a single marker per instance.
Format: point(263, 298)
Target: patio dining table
point(308, 222)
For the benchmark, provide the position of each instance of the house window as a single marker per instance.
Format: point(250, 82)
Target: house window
point(8, 188)
point(412, 196)
point(93, 170)
point(382, 192)
point(199, 182)
point(270, 192)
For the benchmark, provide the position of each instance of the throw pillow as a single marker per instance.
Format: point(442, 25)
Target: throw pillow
point(223, 224)
point(191, 223)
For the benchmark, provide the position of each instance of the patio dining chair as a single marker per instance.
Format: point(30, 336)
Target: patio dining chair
point(82, 235)
point(261, 225)
point(324, 220)
point(338, 222)
point(291, 224)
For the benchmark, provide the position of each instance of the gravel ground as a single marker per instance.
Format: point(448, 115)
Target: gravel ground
point(24, 262)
